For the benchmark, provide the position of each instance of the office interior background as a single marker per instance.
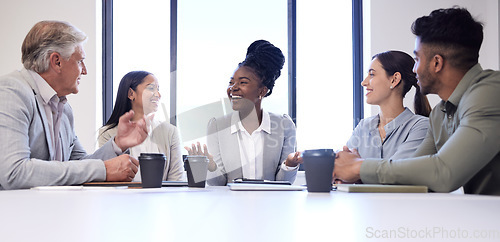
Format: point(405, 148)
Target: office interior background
point(212, 37)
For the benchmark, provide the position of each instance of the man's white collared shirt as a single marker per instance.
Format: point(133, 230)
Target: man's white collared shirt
point(53, 106)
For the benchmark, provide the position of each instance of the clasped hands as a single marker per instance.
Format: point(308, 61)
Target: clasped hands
point(129, 134)
point(347, 166)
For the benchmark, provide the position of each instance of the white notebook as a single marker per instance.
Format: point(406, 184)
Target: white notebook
point(381, 188)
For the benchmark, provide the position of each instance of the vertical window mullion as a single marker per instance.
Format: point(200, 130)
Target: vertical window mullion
point(173, 62)
point(292, 63)
point(357, 38)
point(107, 59)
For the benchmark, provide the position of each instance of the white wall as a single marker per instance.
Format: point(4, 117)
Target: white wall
point(17, 18)
point(387, 26)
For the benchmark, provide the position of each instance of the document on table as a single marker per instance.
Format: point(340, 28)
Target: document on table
point(135, 184)
point(263, 187)
point(74, 188)
point(106, 185)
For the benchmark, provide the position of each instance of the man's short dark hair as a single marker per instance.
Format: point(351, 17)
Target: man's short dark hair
point(452, 33)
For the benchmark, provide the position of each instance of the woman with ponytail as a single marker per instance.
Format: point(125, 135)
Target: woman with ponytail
point(395, 132)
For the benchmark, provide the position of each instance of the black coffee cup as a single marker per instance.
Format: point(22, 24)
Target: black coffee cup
point(152, 166)
point(318, 166)
point(196, 169)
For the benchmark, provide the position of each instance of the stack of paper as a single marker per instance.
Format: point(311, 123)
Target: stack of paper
point(263, 187)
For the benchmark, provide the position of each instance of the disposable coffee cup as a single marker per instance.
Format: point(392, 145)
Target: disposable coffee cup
point(152, 166)
point(196, 168)
point(318, 166)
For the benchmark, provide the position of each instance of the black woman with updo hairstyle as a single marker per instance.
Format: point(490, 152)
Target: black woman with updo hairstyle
point(251, 143)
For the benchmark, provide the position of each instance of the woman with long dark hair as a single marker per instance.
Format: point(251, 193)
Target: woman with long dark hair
point(139, 91)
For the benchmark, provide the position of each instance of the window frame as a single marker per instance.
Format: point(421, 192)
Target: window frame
point(107, 60)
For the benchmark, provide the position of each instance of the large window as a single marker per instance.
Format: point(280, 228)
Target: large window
point(212, 38)
point(324, 73)
point(141, 41)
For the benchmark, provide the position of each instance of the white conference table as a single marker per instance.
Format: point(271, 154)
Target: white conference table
point(219, 214)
